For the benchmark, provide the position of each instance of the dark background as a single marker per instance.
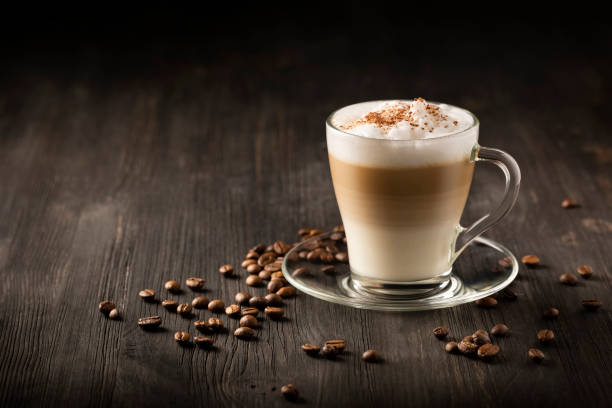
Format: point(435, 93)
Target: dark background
point(152, 142)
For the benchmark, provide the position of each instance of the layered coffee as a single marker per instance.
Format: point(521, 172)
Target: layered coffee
point(401, 172)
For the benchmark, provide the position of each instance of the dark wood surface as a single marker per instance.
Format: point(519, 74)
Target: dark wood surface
point(121, 169)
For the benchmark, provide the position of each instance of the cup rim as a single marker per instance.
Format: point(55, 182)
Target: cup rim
point(475, 123)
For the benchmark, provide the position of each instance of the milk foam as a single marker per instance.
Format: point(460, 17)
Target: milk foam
point(401, 133)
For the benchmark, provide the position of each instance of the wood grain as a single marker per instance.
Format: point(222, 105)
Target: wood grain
point(116, 178)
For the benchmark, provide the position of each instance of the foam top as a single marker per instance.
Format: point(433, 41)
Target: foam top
point(399, 133)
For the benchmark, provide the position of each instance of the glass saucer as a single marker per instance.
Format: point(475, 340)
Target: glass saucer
point(476, 274)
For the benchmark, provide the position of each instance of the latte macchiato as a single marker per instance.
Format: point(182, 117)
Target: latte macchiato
point(401, 172)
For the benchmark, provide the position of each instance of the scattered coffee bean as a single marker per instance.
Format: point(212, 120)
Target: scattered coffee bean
point(536, 355)
point(216, 306)
point(172, 286)
point(253, 269)
point(273, 267)
point(232, 310)
point(467, 338)
point(266, 258)
point(546, 336)
point(467, 347)
point(264, 275)
point(451, 347)
point(301, 271)
point(329, 269)
point(248, 321)
point(505, 262)
point(258, 302)
point(311, 349)
point(342, 257)
point(106, 306)
point(327, 257)
point(195, 283)
point(242, 298)
point(274, 300)
point(252, 311)
point(488, 351)
point(279, 275)
point(304, 232)
point(500, 330)
point(149, 322)
point(275, 284)
point(481, 337)
point(252, 255)
point(487, 302)
point(530, 260)
point(302, 254)
point(286, 292)
point(370, 356)
point(226, 270)
point(274, 313)
point(551, 313)
point(336, 236)
point(244, 333)
point(592, 304)
point(113, 314)
point(201, 302)
point(332, 249)
point(339, 344)
point(585, 271)
point(259, 248)
point(281, 248)
point(203, 341)
point(245, 264)
point(253, 280)
point(182, 337)
point(569, 203)
point(290, 392)
point(330, 351)
point(202, 326)
point(147, 294)
point(270, 248)
point(170, 305)
point(315, 255)
point(440, 332)
point(184, 309)
point(215, 324)
point(568, 279)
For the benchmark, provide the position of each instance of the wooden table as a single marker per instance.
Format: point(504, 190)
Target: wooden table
point(123, 167)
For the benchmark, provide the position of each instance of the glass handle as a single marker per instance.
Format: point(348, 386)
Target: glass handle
point(511, 171)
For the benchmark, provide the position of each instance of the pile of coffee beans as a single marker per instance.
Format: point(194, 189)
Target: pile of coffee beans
point(477, 344)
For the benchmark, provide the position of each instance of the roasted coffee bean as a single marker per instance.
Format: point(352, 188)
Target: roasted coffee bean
point(315, 232)
point(530, 260)
point(184, 309)
point(467, 347)
point(338, 228)
point(585, 271)
point(273, 267)
point(232, 310)
point(481, 337)
point(536, 355)
point(311, 349)
point(328, 270)
point(259, 248)
point(302, 254)
point(253, 269)
point(301, 271)
point(249, 321)
point(339, 344)
point(487, 302)
point(215, 323)
point(330, 351)
point(113, 314)
point(106, 306)
point(266, 258)
point(332, 249)
point(440, 332)
point(242, 298)
point(304, 232)
point(290, 392)
point(258, 302)
point(245, 264)
point(451, 347)
point(149, 322)
point(216, 306)
point(264, 275)
point(286, 292)
point(500, 330)
point(592, 304)
point(201, 302)
point(147, 294)
point(281, 248)
point(488, 351)
point(327, 257)
point(569, 203)
point(311, 245)
point(195, 283)
point(274, 313)
point(505, 262)
point(546, 336)
point(277, 275)
point(269, 248)
point(275, 284)
point(315, 255)
point(370, 356)
point(336, 236)
point(244, 333)
point(568, 279)
point(551, 313)
point(274, 300)
point(182, 337)
point(203, 341)
point(170, 305)
point(252, 311)
point(252, 255)
point(172, 286)
point(226, 270)
point(202, 325)
point(254, 280)
point(467, 338)
point(342, 257)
